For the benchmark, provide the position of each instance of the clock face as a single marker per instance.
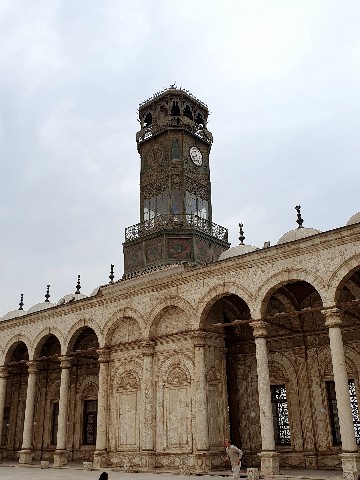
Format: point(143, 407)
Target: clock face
point(196, 156)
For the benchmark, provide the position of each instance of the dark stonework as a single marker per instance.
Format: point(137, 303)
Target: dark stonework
point(175, 189)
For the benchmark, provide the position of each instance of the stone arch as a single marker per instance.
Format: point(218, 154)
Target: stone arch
point(217, 292)
point(41, 338)
point(281, 278)
point(339, 277)
point(114, 322)
point(76, 329)
point(89, 387)
point(127, 380)
point(177, 360)
point(12, 344)
point(171, 315)
point(168, 303)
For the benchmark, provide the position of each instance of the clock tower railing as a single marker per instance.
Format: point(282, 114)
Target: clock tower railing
point(162, 222)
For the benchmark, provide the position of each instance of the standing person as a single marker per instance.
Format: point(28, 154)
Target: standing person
point(234, 454)
point(104, 476)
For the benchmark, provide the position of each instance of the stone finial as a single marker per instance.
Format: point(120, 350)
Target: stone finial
point(299, 220)
point(21, 304)
point(242, 236)
point(47, 295)
point(111, 276)
point(78, 286)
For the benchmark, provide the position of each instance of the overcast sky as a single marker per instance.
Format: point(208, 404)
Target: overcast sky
point(281, 79)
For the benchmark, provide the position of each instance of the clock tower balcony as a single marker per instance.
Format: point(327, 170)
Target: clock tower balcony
point(169, 239)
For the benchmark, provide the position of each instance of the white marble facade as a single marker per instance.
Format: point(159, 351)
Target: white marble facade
point(143, 360)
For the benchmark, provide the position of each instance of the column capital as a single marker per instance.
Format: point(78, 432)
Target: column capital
point(259, 328)
point(199, 339)
point(332, 316)
point(148, 348)
point(65, 362)
point(4, 372)
point(32, 367)
point(104, 355)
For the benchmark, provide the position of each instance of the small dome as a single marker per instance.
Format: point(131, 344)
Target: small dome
point(298, 234)
point(95, 291)
point(354, 219)
point(72, 297)
point(40, 306)
point(13, 314)
point(236, 251)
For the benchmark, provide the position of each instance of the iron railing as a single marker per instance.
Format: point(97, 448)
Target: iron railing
point(167, 222)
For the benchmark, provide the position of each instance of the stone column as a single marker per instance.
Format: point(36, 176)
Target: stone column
point(60, 455)
point(269, 457)
point(100, 454)
point(349, 455)
point(25, 454)
point(147, 423)
point(3, 381)
point(201, 411)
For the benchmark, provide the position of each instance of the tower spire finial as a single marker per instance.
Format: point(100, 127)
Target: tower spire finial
point(111, 276)
point(47, 294)
point(21, 304)
point(78, 286)
point(242, 236)
point(299, 220)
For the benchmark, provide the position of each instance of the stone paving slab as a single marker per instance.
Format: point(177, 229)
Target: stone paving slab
point(12, 471)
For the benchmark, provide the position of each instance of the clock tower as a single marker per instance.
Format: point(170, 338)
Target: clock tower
point(175, 190)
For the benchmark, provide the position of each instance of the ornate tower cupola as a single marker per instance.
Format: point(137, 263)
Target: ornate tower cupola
point(175, 190)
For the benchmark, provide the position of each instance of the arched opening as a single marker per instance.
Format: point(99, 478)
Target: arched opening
point(47, 396)
point(84, 383)
point(238, 372)
point(348, 301)
point(297, 343)
point(15, 398)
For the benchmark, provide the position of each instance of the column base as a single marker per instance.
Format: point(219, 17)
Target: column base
point(202, 462)
point(60, 458)
point(148, 460)
point(100, 459)
point(269, 463)
point(310, 460)
point(25, 457)
point(350, 465)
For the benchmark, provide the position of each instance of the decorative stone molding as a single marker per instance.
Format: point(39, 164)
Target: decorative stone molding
point(333, 317)
point(259, 328)
point(65, 362)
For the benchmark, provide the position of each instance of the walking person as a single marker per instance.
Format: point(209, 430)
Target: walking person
point(234, 454)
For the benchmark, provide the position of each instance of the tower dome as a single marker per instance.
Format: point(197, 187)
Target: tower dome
point(240, 249)
point(354, 219)
point(42, 305)
point(298, 233)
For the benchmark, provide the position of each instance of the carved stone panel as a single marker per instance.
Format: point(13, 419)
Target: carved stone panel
point(179, 249)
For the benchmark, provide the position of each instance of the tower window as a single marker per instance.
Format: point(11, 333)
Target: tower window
point(334, 415)
point(280, 415)
point(199, 119)
point(148, 120)
point(175, 110)
point(188, 112)
point(196, 206)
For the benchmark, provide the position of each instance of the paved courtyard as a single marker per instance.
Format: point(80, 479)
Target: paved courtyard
point(12, 471)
